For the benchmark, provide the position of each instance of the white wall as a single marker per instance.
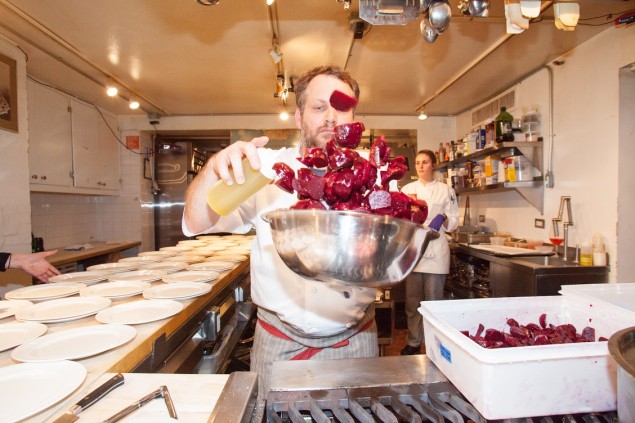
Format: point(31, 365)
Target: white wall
point(586, 121)
point(15, 206)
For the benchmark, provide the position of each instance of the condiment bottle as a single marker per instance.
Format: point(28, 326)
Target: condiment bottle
point(586, 255)
point(504, 126)
point(224, 199)
point(599, 252)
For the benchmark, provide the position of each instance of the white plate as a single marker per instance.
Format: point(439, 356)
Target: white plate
point(121, 289)
point(187, 258)
point(191, 276)
point(178, 291)
point(17, 333)
point(140, 260)
point(113, 267)
point(138, 312)
point(45, 291)
point(138, 276)
point(212, 264)
point(81, 277)
point(177, 248)
point(167, 267)
point(234, 258)
point(159, 254)
point(191, 243)
point(9, 307)
point(63, 309)
point(211, 247)
point(73, 344)
point(49, 382)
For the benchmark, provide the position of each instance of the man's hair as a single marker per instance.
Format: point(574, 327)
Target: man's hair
point(336, 71)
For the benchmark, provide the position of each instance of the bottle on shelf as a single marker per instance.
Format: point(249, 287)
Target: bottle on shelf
point(446, 157)
point(504, 126)
point(599, 251)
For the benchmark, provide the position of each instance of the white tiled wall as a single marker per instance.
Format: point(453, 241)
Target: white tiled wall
point(65, 219)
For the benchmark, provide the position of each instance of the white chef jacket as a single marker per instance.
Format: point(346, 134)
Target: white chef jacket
point(311, 308)
point(441, 199)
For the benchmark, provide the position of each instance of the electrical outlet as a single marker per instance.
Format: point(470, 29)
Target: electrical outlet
point(481, 218)
point(539, 223)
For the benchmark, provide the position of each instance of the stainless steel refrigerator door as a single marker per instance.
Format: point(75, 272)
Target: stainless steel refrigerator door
point(173, 175)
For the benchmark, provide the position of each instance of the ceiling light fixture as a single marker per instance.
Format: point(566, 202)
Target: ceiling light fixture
point(111, 90)
point(530, 8)
point(284, 115)
point(422, 115)
point(566, 15)
point(208, 2)
point(270, 2)
point(516, 22)
point(276, 56)
point(134, 104)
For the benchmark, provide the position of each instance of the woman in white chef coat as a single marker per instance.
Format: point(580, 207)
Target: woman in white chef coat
point(428, 277)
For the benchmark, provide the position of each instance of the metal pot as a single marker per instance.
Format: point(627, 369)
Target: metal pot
point(622, 349)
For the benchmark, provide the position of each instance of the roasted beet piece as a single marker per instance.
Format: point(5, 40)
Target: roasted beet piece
point(532, 334)
point(338, 186)
point(314, 157)
point(285, 176)
point(308, 204)
point(308, 184)
point(342, 102)
point(364, 175)
point(379, 152)
point(342, 158)
point(348, 135)
point(379, 199)
point(396, 170)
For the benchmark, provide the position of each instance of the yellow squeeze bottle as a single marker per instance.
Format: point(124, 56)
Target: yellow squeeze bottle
point(224, 199)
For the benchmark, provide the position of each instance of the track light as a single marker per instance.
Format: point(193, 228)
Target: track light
point(530, 8)
point(284, 115)
point(270, 2)
point(566, 15)
point(111, 90)
point(422, 115)
point(134, 104)
point(276, 56)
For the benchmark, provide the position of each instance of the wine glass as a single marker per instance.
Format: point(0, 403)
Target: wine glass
point(555, 234)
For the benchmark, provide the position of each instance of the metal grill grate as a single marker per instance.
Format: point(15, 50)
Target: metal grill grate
point(438, 403)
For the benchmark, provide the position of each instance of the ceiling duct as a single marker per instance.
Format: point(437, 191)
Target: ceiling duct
point(389, 12)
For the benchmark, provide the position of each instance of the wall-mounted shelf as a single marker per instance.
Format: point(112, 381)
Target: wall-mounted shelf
point(532, 191)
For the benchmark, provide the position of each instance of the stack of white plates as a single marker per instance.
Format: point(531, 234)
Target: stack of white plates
point(138, 276)
point(177, 248)
point(159, 254)
point(191, 243)
point(51, 382)
point(179, 291)
point(113, 267)
point(140, 260)
point(216, 265)
point(17, 333)
point(115, 290)
point(74, 344)
point(139, 312)
point(169, 267)
point(45, 292)
point(191, 276)
point(188, 258)
point(63, 309)
point(234, 258)
point(87, 278)
point(9, 307)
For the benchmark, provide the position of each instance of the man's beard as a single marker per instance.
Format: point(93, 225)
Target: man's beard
point(310, 139)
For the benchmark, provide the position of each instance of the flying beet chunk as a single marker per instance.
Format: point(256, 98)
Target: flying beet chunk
point(342, 102)
point(348, 135)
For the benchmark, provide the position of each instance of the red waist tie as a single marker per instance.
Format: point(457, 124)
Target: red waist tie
point(309, 351)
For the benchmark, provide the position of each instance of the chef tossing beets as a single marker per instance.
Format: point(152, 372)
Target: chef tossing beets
point(297, 318)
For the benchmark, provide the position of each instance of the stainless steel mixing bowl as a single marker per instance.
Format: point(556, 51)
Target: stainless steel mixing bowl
point(346, 247)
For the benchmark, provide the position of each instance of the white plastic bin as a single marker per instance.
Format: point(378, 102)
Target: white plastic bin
point(610, 294)
point(525, 381)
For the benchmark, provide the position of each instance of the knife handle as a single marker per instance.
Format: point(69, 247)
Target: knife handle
point(97, 394)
